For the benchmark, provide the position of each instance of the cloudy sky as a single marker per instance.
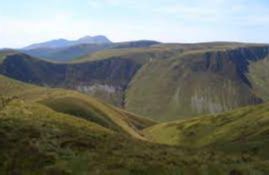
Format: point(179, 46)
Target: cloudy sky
point(27, 21)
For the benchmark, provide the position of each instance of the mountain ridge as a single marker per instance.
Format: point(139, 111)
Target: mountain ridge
point(160, 81)
point(77, 50)
point(58, 43)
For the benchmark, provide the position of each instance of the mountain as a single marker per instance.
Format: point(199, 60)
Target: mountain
point(56, 131)
point(78, 50)
point(100, 39)
point(65, 43)
point(65, 53)
point(163, 82)
point(49, 44)
point(6, 52)
point(199, 82)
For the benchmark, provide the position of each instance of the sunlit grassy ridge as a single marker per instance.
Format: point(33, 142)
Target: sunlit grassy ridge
point(162, 50)
point(244, 129)
point(138, 54)
point(74, 103)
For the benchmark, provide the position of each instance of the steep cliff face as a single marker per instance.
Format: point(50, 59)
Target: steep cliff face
point(199, 83)
point(106, 79)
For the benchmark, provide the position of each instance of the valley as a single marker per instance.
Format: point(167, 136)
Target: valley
point(163, 82)
point(132, 87)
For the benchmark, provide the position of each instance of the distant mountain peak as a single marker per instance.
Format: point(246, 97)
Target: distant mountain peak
point(85, 38)
point(99, 39)
point(58, 43)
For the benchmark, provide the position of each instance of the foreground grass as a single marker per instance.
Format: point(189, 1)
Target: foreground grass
point(37, 140)
point(55, 131)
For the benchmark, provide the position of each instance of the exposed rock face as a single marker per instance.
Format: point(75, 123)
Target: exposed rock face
point(106, 79)
point(97, 87)
point(112, 94)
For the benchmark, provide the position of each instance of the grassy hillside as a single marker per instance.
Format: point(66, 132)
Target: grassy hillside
point(241, 130)
point(34, 139)
point(199, 82)
point(76, 104)
point(140, 55)
point(159, 51)
point(258, 74)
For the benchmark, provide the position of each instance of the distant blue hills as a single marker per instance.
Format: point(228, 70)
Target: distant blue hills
point(58, 43)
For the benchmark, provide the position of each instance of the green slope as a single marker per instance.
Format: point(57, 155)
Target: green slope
point(140, 55)
point(159, 51)
point(37, 140)
point(199, 82)
point(241, 130)
point(259, 76)
point(76, 104)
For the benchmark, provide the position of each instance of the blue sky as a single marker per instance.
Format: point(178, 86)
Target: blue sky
point(27, 21)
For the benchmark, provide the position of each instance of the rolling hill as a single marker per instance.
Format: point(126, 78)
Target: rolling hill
point(76, 104)
point(42, 134)
point(241, 130)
